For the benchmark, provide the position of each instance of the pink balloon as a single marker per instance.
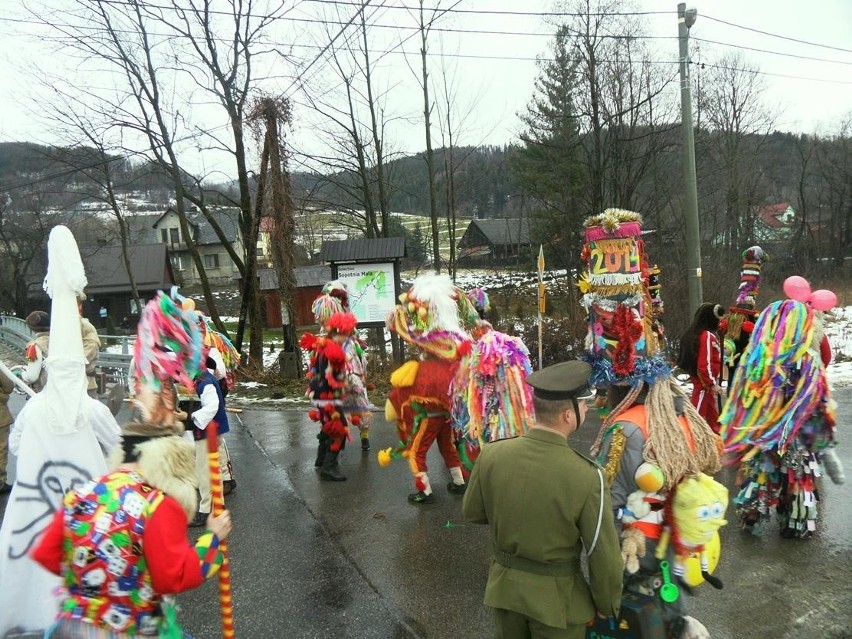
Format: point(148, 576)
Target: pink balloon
point(797, 288)
point(823, 300)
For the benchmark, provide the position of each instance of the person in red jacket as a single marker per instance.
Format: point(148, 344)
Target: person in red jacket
point(701, 357)
point(120, 542)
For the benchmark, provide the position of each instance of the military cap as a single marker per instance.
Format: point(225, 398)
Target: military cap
point(563, 381)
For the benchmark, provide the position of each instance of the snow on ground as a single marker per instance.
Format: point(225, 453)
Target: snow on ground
point(838, 328)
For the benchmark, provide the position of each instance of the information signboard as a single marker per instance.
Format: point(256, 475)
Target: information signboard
point(371, 290)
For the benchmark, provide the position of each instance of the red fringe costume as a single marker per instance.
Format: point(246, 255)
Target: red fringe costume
point(326, 388)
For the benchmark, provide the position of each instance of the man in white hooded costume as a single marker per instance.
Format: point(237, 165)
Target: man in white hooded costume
point(60, 438)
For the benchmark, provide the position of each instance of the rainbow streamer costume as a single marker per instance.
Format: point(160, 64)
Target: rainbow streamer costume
point(491, 399)
point(779, 420)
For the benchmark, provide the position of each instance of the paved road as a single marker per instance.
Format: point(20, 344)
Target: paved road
point(354, 559)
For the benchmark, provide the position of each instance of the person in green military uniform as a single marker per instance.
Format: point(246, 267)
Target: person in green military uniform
point(545, 502)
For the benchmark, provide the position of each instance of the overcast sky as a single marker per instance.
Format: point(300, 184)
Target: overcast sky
point(494, 73)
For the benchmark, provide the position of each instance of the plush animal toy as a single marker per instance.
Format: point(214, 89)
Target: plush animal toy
point(694, 512)
point(636, 512)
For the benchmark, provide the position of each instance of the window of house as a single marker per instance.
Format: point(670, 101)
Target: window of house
point(164, 235)
point(260, 251)
point(211, 260)
point(174, 235)
point(178, 262)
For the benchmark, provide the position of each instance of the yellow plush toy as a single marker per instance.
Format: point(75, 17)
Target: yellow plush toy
point(694, 512)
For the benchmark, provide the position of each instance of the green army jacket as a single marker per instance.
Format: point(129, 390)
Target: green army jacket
point(544, 502)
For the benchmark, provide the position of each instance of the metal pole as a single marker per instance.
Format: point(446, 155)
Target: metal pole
point(685, 19)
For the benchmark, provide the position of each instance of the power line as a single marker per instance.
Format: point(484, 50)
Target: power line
point(773, 35)
point(781, 53)
point(95, 29)
point(500, 12)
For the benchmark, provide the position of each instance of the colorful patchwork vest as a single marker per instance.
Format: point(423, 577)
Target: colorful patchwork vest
point(104, 569)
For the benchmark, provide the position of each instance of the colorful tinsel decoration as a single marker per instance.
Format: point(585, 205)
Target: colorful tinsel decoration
point(778, 384)
point(492, 400)
point(168, 346)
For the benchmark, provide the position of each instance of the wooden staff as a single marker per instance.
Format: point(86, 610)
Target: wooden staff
point(226, 604)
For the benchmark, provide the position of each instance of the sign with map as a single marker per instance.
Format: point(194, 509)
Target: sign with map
point(371, 290)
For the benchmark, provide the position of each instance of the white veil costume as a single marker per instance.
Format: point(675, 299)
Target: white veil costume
point(60, 438)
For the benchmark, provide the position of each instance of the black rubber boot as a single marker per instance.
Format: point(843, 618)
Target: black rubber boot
point(331, 469)
point(322, 449)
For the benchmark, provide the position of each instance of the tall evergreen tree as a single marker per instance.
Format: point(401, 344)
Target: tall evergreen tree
point(549, 165)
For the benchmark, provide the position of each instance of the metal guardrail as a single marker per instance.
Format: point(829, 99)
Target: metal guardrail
point(15, 332)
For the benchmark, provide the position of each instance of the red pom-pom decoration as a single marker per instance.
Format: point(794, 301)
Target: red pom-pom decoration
point(464, 348)
point(334, 354)
point(355, 419)
point(343, 323)
point(308, 341)
point(314, 414)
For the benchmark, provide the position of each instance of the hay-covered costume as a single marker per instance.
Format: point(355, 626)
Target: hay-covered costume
point(335, 299)
point(653, 439)
point(419, 402)
point(778, 422)
point(60, 438)
point(328, 385)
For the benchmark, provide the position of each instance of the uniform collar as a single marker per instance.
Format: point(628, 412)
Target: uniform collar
point(547, 435)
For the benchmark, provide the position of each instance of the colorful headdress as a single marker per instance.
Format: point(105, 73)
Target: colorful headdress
point(479, 298)
point(333, 299)
point(491, 399)
point(428, 317)
point(624, 341)
point(211, 338)
point(168, 350)
point(743, 308)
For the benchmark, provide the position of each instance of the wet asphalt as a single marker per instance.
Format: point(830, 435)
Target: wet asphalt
point(354, 559)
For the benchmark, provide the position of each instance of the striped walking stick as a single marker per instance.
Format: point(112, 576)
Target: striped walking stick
point(226, 604)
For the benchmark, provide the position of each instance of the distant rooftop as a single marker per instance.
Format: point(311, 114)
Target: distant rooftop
point(363, 250)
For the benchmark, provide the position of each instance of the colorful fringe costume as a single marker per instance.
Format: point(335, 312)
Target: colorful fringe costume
point(653, 439)
point(429, 318)
point(328, 387)
point(778, 421)
point(491, 399)
point(335, 299)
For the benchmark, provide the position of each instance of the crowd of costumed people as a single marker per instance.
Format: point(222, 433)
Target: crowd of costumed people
point(760, 403)
point(94, 536)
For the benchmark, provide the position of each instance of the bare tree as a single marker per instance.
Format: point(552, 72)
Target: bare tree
point(736, 126)
point(142, 44)
point(355, 121)
point(834, 167)
point(24, 226)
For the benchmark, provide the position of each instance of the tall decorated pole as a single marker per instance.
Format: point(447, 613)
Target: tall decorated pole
point(541, 302)
point(226, 604)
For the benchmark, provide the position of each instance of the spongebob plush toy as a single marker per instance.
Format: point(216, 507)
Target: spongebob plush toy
point(694, 512)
